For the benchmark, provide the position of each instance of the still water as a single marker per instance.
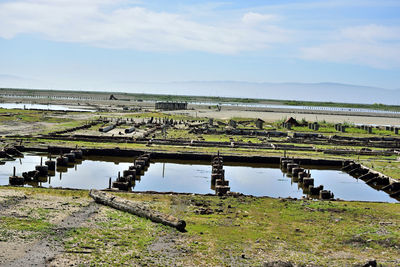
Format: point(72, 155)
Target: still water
point(41, 107)
point(194, 177)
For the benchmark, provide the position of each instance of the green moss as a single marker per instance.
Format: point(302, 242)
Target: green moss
point(117, 240)
point(303, 231)
point(25, 224)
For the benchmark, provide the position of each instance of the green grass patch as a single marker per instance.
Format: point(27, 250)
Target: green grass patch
point(25, 224)
point(120, 238)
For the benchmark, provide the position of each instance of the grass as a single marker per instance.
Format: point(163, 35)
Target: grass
point(119, 238)
point(178, 134)
point(247, 231)
point(241, 231)
point(63, 126)
point(350, 131)
point(25, 224)
point(36, 191)
point(390, 167)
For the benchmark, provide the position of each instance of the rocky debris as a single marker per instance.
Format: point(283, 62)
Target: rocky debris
point(277, 264)
point(371, 263)
point(204, 211)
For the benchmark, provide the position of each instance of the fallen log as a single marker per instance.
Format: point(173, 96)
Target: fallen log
point(137, 209)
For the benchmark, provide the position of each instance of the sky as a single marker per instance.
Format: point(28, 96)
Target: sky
point(118, 44)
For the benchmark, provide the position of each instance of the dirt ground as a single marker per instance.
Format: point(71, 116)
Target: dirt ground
point(15, 127)
point(268, 114)
point(42, 224)
point(271, 115)
point(17, 248)
point(50, 227)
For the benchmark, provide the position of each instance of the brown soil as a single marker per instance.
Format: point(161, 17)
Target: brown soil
point(24, 247)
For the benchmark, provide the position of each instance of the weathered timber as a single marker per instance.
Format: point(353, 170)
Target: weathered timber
point(78, 153)
point(393, 187)
point(51, 164)
point(290, 167)
point(358, 171)
point(378, 180)
point(368, 176)
point(13, 151)
point(315, 190)
point(326, 194)
point(137, 208)
point(187, 156)
point(16, 180)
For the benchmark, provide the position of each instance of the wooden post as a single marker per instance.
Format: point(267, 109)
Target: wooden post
point(137, 208)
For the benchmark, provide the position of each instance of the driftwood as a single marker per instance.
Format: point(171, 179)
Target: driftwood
point(136, 209)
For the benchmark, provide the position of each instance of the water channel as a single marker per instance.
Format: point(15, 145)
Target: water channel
point(41, 107)
point(194, 177)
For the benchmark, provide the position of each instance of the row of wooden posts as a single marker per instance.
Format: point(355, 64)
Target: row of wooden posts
point(48, 168)
point(218, 181)
point(303, 177)
point(313, 126)
point(128, 178)
point(372, 178)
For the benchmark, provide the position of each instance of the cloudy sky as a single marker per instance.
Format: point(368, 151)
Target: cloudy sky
point(114, 44)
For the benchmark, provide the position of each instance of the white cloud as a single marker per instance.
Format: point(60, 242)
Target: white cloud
point(371, 45)
point(256, 18)
point(106, 23)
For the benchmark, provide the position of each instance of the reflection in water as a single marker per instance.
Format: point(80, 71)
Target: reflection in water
point(176, 178)
point(194, 178)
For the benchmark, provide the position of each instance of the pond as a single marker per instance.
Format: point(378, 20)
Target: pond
point(41, 107)
point(194, 177)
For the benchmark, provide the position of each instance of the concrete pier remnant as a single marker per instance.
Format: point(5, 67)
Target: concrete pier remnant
point(326, 194)
point(78, 153)
point(308, 181)
point(259, 124)
point(130, 129)
point(296, 171)
point(42, 169)
point(218, 177)
point(51, 164)
point(16, 180)
point(285, 162)
point(71, 157)
point(315, 190)
point(171, 105)
point(62, 161)
point(128, 178)
point(290, 167)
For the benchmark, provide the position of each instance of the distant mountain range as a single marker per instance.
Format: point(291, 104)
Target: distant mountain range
point(329, 92)
point(332, 92)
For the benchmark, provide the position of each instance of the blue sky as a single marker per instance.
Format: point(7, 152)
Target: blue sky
point(114, 44)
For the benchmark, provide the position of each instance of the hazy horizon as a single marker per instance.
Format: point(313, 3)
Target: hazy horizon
point(342, 93)
point(140, 46)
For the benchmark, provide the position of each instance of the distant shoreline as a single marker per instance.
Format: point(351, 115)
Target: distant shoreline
point(212, 100)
